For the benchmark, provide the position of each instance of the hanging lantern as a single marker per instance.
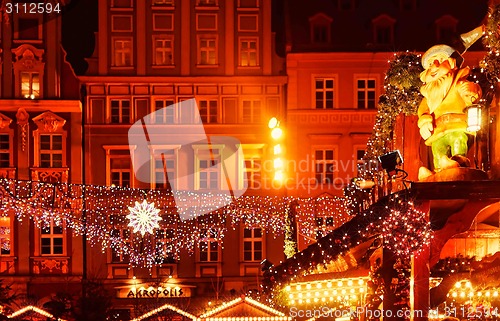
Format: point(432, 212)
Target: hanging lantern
point(474, 118)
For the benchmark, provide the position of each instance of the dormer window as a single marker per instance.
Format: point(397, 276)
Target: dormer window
point(446, 28)
point(320, 26)
point(383, 30)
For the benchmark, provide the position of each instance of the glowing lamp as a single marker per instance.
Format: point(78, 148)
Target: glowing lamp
point(276, 133)
point(474, 118)
point(273, 123)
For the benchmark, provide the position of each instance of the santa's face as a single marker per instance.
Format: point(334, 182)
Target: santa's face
point(438, 66)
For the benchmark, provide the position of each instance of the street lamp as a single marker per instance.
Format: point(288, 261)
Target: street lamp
point(278, 163)
point(474, 118)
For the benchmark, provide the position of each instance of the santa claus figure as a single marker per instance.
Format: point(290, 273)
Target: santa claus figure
point(441, 115)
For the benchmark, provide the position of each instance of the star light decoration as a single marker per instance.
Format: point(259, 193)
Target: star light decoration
point(144, 217)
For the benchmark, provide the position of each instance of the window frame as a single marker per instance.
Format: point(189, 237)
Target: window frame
point(366, 91)
point(208, 118)
point(207, 50)
point(255, 111)
point(197, 167)
point(163, 50)
point(252, 240)
point(120, 110)
point(324, 90)
point(333, 162)
point(383, 24)
point(7, 131)
point(241, 40)
point(114, 53)
point(208, 240)
point(10, 237)
point(154, 149)
point(52, 236)
point(109, 149)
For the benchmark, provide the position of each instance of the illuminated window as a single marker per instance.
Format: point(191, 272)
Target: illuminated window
point(163, 51)
point(252, 244)
point(51, 150)
point(253, 172)
point(251, 111)
point(208, 246)
point(208, 111)
point(5, 150)
point(30, 84)
point(324, 166)
point(5, 236)
point(164, 115)
point(366, 93)
point(207, 51)
point(52, 239)
point(324, 93)
point(122, 52)
point(164, 167)
point(248, 53)
point(120, 111)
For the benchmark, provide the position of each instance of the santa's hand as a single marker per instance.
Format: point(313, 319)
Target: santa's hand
point(469, 92)
point(426, 130)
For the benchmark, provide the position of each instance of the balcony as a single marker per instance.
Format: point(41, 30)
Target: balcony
point(6, 172)
point(50, 265)
point(50, 174)
point(7, 265)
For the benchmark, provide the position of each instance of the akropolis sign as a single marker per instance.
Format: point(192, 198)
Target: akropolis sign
point(142, 292)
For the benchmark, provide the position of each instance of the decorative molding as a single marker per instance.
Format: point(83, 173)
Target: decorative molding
point(22, 120)
point(28, 56)
point(50, 175)
point(49, 122)
point(4, 121)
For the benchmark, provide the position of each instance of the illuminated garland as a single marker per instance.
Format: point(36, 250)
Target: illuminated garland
point(490, 64)
point(402, 95)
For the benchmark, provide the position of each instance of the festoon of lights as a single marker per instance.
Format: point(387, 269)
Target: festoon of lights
point(277, 149)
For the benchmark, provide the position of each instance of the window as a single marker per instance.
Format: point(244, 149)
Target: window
point(30, 84)
point(162, 114)
point(5, 236)
point(319, 25)
point(383, 30)
point(251, 111)
point(324, 166)
point(320, 33)
point(209, 162)
point(5, 150)
point(208, 111)
point(122, 52)
point(248, 53)
point(208, 246)
point(163, 51)
point(366, 93)
point(28, 29)
point(120, 111)
point(52, 239)
point(207, 51)
point(164, 167)
point(324, 93)
point(253, 171)
point(51, 150)
point(252, 244)
point(118, 256)
point(207, 2)
point(120, 173)
point(165, 245)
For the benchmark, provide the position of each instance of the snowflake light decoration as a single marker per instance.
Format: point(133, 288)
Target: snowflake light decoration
point(144, 217)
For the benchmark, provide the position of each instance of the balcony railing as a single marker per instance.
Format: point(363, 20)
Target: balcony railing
point(50, 174)
point(50, 265)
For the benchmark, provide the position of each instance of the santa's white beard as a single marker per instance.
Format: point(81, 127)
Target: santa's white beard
point(437, 90)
